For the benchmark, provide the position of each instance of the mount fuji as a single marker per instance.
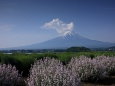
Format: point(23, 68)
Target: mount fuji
point(68, 39)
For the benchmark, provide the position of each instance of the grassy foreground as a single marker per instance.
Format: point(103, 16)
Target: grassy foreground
point(24, 61)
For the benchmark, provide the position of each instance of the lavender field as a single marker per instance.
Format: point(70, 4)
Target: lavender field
point(52, 72)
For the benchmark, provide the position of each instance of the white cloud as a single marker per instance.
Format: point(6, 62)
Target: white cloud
point(59, 26)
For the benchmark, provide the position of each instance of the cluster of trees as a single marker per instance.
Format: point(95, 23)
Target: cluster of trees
point(78, 49)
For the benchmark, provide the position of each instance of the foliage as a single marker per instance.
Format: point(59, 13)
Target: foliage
point(51, 72)
point(77, 49)
point(88, 69)
point(9, 76)
point(93, 69)
point(23, 61)
point(108, 63)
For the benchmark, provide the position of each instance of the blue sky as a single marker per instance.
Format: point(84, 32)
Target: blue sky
point(21, 20)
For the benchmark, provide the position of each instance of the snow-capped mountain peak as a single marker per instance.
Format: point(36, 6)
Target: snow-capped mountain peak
point(72, 35)
point(68, 33)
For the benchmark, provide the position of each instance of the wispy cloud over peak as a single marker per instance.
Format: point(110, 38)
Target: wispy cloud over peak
point(59, 26)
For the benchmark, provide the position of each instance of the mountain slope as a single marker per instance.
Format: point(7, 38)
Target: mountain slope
point(67, 40)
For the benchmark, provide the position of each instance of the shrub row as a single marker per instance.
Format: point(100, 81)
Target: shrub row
point(51, 72)
point(23, 61)
point(93, 69)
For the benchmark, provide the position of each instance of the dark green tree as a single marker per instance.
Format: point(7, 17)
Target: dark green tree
point(77, 49)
